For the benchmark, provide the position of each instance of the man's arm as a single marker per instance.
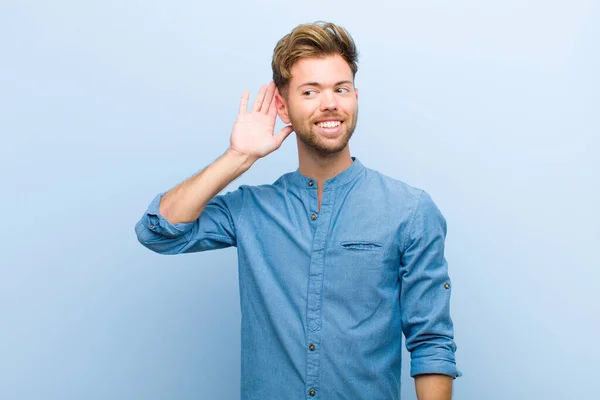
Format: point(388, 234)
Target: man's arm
point(251, 138)
point(192, 217)
point(433, 387)
point(425, 301)
point(185, 202)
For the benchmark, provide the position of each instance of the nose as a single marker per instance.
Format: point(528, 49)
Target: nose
point(328, 101)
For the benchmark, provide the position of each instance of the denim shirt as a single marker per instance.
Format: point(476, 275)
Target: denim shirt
point(326, 294)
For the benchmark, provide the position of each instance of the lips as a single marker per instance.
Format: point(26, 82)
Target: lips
point(330, 128)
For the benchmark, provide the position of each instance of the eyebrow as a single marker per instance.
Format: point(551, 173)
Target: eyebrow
point(317, 84)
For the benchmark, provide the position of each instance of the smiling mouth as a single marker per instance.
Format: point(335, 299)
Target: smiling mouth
point(329, 124)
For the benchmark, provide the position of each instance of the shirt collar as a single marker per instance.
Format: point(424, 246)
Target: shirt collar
point(344, 177)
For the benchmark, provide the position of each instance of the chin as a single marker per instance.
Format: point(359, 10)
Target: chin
point(330, 148)
point(324, 145)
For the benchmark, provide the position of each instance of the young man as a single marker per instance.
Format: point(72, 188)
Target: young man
point(335, 260)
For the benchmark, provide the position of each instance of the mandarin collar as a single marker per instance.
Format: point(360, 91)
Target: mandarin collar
point(344, 177)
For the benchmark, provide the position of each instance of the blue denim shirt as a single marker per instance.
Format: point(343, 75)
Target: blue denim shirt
point(326, 294)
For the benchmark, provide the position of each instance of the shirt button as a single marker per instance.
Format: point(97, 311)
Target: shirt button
point(312, 347)
point(446, 286)
point(313, 217)
point(312, 392)
point(151, 226)
point(311, 183)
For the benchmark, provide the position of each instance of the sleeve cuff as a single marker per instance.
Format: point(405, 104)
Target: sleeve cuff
point(434, 365)
point(155, 222)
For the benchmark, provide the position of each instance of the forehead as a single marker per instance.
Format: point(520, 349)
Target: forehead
point(323, 70)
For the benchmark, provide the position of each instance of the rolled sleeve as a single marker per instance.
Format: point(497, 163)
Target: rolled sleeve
point(155, 222)
point(214, 228)
point(425, 292)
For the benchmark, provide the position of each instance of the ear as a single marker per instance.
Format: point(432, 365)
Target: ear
point(282, 108)
point(356, 90)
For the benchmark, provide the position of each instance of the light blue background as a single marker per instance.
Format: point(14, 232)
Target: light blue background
point(493, 108)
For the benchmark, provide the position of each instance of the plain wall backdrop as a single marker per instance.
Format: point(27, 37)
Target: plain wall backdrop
point(492, 107)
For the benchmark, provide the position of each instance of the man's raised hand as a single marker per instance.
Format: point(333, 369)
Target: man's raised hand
point(253, 131)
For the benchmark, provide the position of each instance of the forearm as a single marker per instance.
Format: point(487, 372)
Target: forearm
point(433, 387)
point(185, 202)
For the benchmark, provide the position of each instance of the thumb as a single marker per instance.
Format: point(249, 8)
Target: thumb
point(283, 134)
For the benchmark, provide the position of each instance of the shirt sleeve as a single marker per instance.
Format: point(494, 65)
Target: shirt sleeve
point(425, 292)
point(214, 229)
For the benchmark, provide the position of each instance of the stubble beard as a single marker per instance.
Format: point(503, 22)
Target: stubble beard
point(307, 133)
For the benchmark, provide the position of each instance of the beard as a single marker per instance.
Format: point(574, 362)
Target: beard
point(307, 133)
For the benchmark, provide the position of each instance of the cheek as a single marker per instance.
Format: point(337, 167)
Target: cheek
point(350, 108)
point(350, 104)
point(301, 112)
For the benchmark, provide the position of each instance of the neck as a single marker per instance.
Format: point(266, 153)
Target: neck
point(322, 167)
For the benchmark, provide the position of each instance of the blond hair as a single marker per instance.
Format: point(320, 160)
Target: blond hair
point(318, 39)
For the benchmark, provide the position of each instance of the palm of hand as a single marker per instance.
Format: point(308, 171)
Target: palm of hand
point(253, 134)
point(253, 131)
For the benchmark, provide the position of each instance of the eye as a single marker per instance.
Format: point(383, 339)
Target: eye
point(309, 93)
point(342, 90)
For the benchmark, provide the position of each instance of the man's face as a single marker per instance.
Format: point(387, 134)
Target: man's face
point(321, 103)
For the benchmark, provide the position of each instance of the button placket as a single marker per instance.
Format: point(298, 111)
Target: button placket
point(313, 215)
point(315, 289)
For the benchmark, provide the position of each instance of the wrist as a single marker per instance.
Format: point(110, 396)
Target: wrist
point(244, 160)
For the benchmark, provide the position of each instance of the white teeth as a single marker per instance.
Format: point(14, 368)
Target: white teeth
point(329, 124)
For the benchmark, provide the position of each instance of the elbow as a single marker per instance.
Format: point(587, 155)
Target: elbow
point(146, 237)
point(154, 241)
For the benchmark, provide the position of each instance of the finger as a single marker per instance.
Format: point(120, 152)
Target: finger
point(272, 111)
point(283, 134)
point(259, 98)
point(244, 102)
point(266, 104)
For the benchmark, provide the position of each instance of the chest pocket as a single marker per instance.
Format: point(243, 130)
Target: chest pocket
point(362, 254)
